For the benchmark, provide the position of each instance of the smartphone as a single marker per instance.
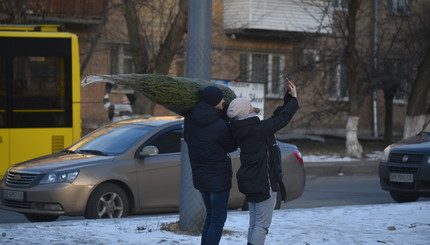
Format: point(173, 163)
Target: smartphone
point(289, 82)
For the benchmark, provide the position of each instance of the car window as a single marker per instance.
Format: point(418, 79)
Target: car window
point(168, 142)
point(111, 141)
point(426, 128)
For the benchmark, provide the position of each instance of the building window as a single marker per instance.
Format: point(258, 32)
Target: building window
point(121, 63)
point(339, 86)
point(264, 68)
point(310, 57)
point(398, 7)
point(340, 4)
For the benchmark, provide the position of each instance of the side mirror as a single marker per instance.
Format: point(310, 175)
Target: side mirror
point(149, 151)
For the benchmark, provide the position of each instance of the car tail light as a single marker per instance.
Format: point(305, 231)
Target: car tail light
point(298, 155)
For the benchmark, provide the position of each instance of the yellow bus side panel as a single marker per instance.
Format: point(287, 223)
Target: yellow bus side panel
point(37, 142)
point(4, 151)
point(77, 131)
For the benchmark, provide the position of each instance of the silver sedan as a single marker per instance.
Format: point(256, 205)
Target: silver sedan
point(128, 167)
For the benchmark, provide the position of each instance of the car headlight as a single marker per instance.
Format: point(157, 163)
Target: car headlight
point(59, 177)
point(386, 154)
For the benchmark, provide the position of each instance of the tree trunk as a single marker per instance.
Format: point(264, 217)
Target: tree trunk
point(166, 52)
point(173, 40)
point(416, 113)
point(414, 125)
point(96, 38)
point(143, 105)
point(388, 132)
point(353, 147)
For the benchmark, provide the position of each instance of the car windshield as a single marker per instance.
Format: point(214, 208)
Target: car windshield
point(426, 129)
point(110, 140)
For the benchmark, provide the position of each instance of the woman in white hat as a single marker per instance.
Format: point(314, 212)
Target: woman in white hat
point(260, 172)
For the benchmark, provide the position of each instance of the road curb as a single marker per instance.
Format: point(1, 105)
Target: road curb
point(336, 168)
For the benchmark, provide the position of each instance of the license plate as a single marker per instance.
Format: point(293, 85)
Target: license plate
point(13, 195)
point(400, 177)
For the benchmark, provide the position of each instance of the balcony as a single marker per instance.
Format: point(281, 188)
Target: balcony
point(65, 11)
point(297, 16)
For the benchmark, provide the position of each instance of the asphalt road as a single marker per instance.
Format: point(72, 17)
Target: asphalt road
point(339, 190)
point(320, 191)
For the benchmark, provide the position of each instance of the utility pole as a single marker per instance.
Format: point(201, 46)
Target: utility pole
point(192, 210)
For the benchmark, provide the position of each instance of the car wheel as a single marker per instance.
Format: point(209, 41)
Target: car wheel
point(245, 206)
point(107, 201)
point(41, 217)
point(399, 197)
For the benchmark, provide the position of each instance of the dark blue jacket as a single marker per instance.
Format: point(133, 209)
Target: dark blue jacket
point(209, 141)
point(260, 157)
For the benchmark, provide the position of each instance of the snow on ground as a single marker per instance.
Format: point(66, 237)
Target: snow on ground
point(407, 223)
point(376, 155)
point(398, 224)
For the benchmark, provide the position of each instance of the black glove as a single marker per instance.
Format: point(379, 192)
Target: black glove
point(287, 97)
point(108, 88)
point(111, 111)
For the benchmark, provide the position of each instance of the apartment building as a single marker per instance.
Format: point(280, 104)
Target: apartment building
point(254, 41)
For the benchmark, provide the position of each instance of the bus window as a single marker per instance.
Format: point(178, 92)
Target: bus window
point(2, 92)
point(38, 83)
point(39, 91)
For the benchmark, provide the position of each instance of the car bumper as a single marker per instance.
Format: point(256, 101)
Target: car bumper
point(415, 178)
point(49, 199)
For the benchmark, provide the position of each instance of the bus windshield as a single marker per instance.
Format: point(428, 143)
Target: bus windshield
point(35, 84)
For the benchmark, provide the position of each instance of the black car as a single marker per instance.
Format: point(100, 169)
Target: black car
point(405, 168)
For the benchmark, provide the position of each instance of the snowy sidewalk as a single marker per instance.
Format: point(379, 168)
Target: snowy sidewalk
point(335, 164)
point(398, 224)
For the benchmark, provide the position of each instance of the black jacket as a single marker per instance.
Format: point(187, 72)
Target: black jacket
point(260, 157)
point(209, 142)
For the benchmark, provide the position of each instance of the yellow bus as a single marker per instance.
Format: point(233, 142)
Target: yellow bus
point(39, 92)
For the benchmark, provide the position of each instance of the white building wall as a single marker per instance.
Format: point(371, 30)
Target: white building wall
point(278, 15)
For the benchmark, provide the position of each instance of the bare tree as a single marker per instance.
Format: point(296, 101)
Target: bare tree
point(399, 49)
point(353, 146)
point(96, 36)
point(154, 52)
point(344, 61)
point(418, 110)
point(11, 11)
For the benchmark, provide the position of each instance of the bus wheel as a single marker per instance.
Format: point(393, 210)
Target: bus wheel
point(41, 217)
point(107, 201)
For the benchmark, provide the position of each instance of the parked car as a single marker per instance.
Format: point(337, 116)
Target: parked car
point(128, 167)
point(405, 168)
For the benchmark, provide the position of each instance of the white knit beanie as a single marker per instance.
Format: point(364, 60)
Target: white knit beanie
point(238, 108)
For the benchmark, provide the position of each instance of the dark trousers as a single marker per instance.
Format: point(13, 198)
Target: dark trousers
point(216, 213)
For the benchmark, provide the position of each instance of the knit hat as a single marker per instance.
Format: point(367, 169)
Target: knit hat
point(131, 98)
point(211, 95)
point(239, 108)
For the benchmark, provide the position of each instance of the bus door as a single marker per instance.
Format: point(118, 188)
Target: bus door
point(4, 132)
point(39, 95)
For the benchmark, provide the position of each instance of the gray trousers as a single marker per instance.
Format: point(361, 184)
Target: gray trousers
point(260, 218)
